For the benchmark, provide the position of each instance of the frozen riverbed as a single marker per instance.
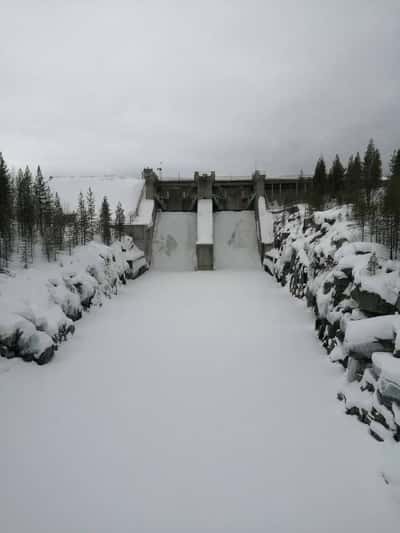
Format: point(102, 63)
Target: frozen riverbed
point(193, 402)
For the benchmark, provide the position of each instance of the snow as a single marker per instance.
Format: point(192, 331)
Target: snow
point(195, 401)
point(360, 248)
point(124, 189)
point(266, 222)
point(205, 221)
point(145, 213)
point(40, 303)
point(369, 330)
point(390, 467)
point(387, 286)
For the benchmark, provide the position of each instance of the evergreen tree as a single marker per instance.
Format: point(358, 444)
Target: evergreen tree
point(360, 212)
point(319, 187)
point(105, 222)
point(48, 237)
point(40, 200)
point(372, 170)
point(75, 230)
point(6, 203)
point(59, 224)
point(336, 176)
point(119, 221)
point(91, 214)
point(395, 164)
point(83, 220)
point(26, 214)
point(391, 207)
point(373, 265)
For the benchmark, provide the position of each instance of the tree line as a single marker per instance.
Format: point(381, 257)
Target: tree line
point(32, 215)
point(375, 202)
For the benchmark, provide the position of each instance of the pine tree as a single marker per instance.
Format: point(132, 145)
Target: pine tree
point(373, 265)
point(59, 224)
point(119, 221)
point(40, 200)
point(391, 208)
point(360, 212)
point(105, 222)
point(336, 176)
point(83, 220)
point(319, 187)
point(76, 233)
point(372, 170)
point(6, 203)
point(48, 239)
point(91, 214)
point(26, 214)
point(394, 164)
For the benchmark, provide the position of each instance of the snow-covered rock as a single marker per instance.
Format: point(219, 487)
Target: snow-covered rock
point(20, 338)
point(43, 302)
point(354, 289)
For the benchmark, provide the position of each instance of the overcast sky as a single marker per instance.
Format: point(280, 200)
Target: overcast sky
point(110, 87)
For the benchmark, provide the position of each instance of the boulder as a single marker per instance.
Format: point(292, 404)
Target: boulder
point(372, 303)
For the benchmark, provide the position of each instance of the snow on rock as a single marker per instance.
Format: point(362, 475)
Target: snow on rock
point(66, 297)
point(134, 256)
point(362, 336)
point(353, 289)
point(205, 230)
point(20, 338)
point(43, 302)
point(384, 285)
point(361, 248)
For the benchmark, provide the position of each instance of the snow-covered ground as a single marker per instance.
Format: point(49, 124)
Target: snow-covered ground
point(193, 402)
point(117, 189)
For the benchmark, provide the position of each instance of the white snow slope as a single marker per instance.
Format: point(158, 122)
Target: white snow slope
point(174, 241)
point(235, 240)
point(117, 189)
point(193, 402)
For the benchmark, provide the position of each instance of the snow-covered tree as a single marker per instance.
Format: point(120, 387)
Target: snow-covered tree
point(83, 219)
point(91, 214)
point(6, 212)
point(119, 221)
point(105, 221)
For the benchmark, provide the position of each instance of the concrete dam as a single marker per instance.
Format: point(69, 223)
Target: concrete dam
point(207, 222)
point(175, 237)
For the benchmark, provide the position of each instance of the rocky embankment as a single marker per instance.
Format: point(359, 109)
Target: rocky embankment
point(40, 306)
point(353, 289)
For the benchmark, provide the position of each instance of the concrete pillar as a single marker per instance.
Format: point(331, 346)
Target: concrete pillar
point(259, 184)
point(151, 180)
point(205, 183)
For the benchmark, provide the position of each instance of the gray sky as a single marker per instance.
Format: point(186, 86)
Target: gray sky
point(109, 87)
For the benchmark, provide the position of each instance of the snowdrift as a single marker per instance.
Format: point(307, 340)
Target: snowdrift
point(38, 307)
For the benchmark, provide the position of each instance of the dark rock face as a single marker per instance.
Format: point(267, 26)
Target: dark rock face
point(46, 356)
point(372, 303)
